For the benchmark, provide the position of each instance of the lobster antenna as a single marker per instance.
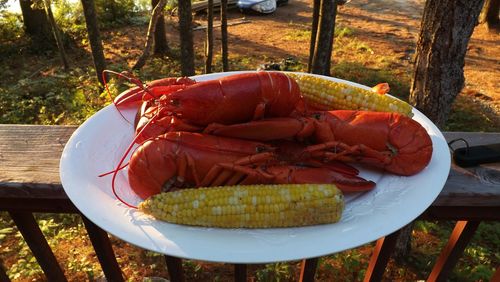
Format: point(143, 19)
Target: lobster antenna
point(129, 78)
point(115, 172)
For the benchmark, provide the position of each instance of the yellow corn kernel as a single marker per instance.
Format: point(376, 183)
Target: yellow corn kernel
point(330, 95)
point(249, 206)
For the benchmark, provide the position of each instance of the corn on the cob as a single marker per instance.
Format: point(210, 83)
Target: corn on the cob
point(330, 95)
point(249, 206)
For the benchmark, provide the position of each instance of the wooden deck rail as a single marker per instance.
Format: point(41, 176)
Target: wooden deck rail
point(29, 182)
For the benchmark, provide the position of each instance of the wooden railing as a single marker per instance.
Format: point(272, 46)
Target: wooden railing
point(29, 182)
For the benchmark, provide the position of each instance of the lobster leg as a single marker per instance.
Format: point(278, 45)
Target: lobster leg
point(260, 175)
point(217, 171)
point(344, 152)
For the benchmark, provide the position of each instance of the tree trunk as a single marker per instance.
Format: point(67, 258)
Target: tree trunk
point(324, 44)
point(223, 28)
point(445, 31)
point(209, 50)
point(314, 33)
point(446, 28)
point(37, 26)
point(157, 13)
point(160, 36)
point(57, 35)
point(94, 38)
point(489, 14)
point(186, 38)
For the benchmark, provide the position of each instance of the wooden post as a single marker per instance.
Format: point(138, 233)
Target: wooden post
point(104, 251)
point(33, 236)
point(174, 267)
point(240, 272)
point(380, 257)
point(308, 270)
point(459, 238)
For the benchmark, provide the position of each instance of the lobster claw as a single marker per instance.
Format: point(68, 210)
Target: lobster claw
point(348, 183)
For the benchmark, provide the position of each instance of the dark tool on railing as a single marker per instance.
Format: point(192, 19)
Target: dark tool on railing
point(475, 155)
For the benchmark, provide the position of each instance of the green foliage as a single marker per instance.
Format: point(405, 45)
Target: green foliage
point(343, 31)
point(70, 18)
point(11, 26)
point(63, 98)
point(479, 259)
point(472, 114)
point(194, 269)
point(114, 13)
point(277, 272)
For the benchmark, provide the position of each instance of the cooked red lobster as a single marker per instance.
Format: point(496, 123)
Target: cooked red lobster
point(184, 159)
point(266, 107)
point(391, 141)
point(185, 105)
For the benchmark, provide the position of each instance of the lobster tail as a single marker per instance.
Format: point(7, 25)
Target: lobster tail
point(414, 146)
point(151, 166)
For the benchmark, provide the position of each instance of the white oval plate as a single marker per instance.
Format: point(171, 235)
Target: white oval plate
point(98, 144)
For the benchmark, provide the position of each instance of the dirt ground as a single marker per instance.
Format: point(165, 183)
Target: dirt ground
point(387, 26)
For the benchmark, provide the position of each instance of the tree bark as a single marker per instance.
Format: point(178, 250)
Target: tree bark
point(186, 38)
point(314, 33)
point(489, 14)
point(160, 36)
point(157, 12)
point(324, 44)
point(223, 28)
point(445, 31)
point(37, 26)
point(209, 47)
point(57, 35)
point(446, 28)
point(94, 38)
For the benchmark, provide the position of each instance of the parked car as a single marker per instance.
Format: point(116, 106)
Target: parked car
point(260, 6)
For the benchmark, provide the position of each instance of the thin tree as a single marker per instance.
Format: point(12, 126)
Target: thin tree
point(160, 36)
point(157, 12)
point(324, 40)
point(489, 14)
point(223, 27)
point(94, 38)
point(186, 37)
point(314, 33)
point(209, 44)
point(57, 35)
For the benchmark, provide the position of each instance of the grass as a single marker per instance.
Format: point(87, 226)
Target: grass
point(55, 97)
